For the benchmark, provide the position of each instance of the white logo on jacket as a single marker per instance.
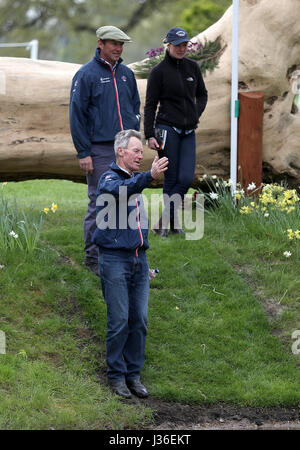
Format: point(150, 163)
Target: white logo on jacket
point(105, 80)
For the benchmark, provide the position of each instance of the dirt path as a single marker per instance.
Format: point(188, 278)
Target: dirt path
point(175, 416)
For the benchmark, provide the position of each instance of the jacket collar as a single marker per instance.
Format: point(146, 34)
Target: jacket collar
point(118, 169)
point(101, 61)
point(172, 60)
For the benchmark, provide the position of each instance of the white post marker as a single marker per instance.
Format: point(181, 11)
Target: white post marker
point(34, 48)
point(234, 95)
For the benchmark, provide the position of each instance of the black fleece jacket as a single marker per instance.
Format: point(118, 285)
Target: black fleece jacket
point(177, 86)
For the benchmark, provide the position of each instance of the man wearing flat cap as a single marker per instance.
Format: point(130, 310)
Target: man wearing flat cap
point(104, 100)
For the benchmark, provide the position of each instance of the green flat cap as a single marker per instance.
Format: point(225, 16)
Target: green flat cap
point(111, 32)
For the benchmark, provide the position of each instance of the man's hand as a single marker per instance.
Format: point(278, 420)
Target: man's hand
point(86, 164)
point(152, 143)
point(159, 166)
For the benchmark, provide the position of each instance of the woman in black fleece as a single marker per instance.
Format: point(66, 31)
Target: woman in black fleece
point(177, 86)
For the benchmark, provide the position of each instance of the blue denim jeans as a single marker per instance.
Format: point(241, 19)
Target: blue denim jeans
point(125, 286)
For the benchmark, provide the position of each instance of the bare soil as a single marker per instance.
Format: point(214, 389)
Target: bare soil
point(176, 416)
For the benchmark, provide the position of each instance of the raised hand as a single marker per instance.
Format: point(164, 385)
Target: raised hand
point(159, 166)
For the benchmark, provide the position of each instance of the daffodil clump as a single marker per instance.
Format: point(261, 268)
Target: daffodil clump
point(53, 208)
point(271, 198)
point(293, 234)
point(267, 197)
point(275, 197)
point(19, 230)
point(217, 194)
point(268, 202)
point(217, 188)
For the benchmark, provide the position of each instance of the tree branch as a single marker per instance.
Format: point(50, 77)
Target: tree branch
point(142, 12)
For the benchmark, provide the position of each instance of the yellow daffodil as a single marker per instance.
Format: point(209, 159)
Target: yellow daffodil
point(293, 234)
point(46, 210)
point(277, 197)
point(245, 210)
point(54, 207)
point(290, 209)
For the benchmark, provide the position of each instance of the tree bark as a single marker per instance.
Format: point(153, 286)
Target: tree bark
point(35, 141)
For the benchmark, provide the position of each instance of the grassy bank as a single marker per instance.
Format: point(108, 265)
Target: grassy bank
point(221, 314)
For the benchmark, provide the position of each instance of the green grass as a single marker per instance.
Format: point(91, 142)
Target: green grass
point(210, 338)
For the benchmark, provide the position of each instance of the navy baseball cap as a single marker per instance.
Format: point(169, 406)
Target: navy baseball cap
point(176, 36)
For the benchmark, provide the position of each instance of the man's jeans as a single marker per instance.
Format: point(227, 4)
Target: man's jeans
point(125, 287)
point(102, 155)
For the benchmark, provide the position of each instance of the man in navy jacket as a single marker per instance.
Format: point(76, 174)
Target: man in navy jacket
point(104, 100)
point(122, 236)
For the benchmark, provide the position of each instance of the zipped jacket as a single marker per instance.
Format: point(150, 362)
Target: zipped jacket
point(177, 86)
point(103, 101)
point(121, 218)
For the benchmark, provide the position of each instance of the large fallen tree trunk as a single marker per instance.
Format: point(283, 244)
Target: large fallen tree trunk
point(35, 140)
point(269, 57)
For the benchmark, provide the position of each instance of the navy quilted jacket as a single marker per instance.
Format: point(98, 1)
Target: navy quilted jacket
point(103, 102)
point(121, 218)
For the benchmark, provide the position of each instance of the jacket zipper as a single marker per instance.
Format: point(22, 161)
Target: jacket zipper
point(182, 84)
point(121, 125)
point(139, 227)
point(117, 97)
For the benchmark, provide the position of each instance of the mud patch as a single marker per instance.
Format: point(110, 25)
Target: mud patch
point(176, 416)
